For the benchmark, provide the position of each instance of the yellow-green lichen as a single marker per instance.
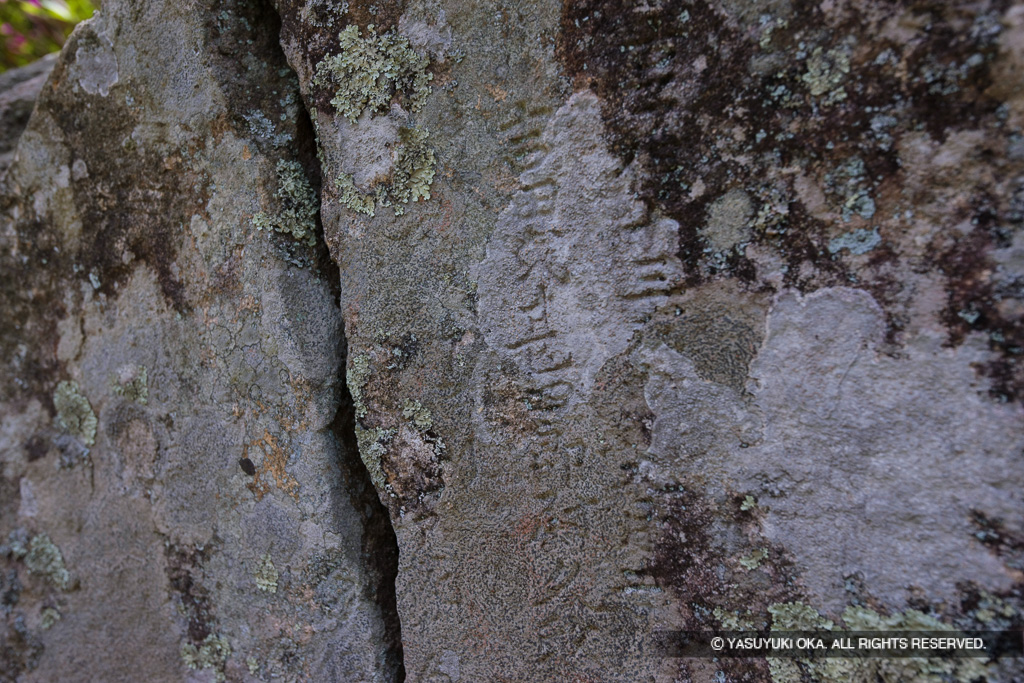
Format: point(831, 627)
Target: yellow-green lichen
point(370, 70)
point(411, 176)
point(132, 382)
point(212, 653)
point(266, 574)
point(74, 414)
point(417, 414)
point(44, 559)
point(298, 205)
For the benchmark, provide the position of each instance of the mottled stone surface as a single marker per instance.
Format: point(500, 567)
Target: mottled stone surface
point(619, 318)
point(19, 89)
point(131, 268)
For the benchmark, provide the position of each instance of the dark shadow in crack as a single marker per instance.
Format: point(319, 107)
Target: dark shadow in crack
point(380, 545)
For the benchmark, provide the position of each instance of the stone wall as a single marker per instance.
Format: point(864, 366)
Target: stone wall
point(435, 341)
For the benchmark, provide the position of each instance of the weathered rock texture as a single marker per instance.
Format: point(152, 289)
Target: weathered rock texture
point(456, 342)
point(19, 89)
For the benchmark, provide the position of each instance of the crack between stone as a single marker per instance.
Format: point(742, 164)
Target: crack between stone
point(379, 542)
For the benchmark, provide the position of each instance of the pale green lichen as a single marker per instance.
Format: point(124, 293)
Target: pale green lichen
point(212, 653)
point(350, 196)
point(769, 27)
point(993, 611)
point(74, 414)
point(414, 167)
point(799, 617)
point(266, 574)
point(417, 414)
point(49, 617)
point(753, 560)
point(357, 376)
point(132, 382)
point(826, 72)
point(851, 183)
point(864, 619)
point(253, 664)
point(370, 70)
point(298, 205)
point(733, 621)
point(749, 503)
point(44, 559)
point(373, 444)
point(411, 176)
point(796, 616)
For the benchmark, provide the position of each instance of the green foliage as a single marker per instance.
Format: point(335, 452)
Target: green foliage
point(30, 29)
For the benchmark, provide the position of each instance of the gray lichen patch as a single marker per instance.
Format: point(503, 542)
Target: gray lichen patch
point(729, 220)
point(266, 574)
point(857, 242)
point(298, 205)
point(720, 342)
point(412, 174)
point(370, 70)
point(74, 414)
point(44, 559)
